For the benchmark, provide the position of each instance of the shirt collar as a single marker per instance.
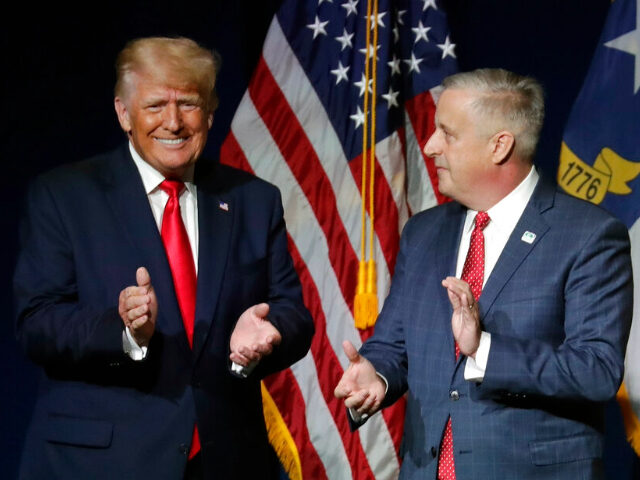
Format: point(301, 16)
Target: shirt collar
point(152, 178)
point(505, 214)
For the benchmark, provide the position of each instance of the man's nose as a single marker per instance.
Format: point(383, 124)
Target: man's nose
point(431, 148)
point(172, 119)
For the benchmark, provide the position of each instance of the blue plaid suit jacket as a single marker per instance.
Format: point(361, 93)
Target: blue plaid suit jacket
point(558, 310)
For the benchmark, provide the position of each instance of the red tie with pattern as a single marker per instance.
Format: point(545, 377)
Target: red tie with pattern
point(183, 270)
point(473, 274)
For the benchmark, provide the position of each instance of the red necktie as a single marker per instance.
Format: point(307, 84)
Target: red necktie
point(183, 270)
point(473, 274)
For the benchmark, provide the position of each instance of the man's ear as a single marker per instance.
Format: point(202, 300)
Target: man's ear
point(123, 114)
point(502, 144)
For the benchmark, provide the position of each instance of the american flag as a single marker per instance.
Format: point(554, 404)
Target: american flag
point(300, 126)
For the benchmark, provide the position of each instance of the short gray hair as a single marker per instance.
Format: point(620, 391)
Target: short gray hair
point(508, 101)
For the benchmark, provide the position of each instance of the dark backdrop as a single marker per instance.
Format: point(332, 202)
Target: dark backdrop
point(58, 107)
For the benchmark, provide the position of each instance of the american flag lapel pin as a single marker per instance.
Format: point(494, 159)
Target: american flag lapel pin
point(224, 206)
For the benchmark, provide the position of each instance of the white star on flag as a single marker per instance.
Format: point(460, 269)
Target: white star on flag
point(392, 98)
point(414, 63)
point(421, 32)
point(371, 50)
point(350, 7)
point(630, 43)
point(447, 48)
point(345, 39)
point(341, 73)
point(395, 65)
point(399, 18)
point(358, 117)
point(380, 22)
point(318, 27)
point(361, 84)
point(429, 3)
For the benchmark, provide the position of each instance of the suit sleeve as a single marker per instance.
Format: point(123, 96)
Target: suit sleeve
point(287, 311)
point(386, 350)
point(53, 327)
point(588, 364)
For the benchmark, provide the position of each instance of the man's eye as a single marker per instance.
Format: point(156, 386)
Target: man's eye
point(154, 108)
point(188, 106)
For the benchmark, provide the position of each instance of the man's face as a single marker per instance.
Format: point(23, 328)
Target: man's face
point(167, 126)
point(461, 154)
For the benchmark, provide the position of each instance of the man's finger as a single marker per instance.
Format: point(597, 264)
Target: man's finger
point(350, 351)
point(356, 400)
point(138, 322)
point(341, 390)
point(134, 313)
point(136, 301)
point(261, 310)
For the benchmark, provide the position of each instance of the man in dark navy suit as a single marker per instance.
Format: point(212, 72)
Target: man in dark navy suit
point(153, 298)
point(509, 311)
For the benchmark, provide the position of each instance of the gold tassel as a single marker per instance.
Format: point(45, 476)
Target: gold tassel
point(366, 299)
point(631, 422)
point(280, 437)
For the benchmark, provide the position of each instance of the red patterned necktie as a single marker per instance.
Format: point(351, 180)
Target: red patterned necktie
point(183, 270)
point(473, 274)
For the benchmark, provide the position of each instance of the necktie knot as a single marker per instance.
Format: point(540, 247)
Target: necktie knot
point(482, 219)
point(173, 188)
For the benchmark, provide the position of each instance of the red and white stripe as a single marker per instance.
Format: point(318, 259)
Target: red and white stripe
point(281, 133)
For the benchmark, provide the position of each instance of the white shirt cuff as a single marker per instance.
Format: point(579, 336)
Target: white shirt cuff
point(131, 348)
point(475, 369)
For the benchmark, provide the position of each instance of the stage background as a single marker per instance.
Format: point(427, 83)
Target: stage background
point(57, 104)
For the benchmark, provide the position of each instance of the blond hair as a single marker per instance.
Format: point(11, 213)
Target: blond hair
point(179, 62)
point(507, 101)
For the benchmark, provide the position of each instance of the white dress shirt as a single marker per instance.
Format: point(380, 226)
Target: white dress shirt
point(151, 179)
point(504, 216)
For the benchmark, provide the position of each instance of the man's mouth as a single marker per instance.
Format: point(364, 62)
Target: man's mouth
point(171, 141)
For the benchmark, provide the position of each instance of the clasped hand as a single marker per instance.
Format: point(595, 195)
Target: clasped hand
point(138, 308)
point(360, 386)
point(465, 321)
point(253, 337)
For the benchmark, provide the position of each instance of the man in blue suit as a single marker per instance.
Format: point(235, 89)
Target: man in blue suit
point(140, 302)
point(507, 371)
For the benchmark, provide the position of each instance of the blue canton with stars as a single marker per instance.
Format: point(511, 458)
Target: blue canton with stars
point(414, 51)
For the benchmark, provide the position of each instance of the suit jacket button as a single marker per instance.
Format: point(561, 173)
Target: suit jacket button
point(454, 395)
point(434, 452)
point(184, 450)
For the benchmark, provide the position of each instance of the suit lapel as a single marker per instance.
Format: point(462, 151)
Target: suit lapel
point(520, 243)
point(450, 232)
point(125, 193)
point(216, 212)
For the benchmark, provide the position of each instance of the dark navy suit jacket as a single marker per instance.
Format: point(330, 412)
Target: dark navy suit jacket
point(98, 413)
point(558, 310)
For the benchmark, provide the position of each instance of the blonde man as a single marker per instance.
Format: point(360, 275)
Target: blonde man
point(154, 298)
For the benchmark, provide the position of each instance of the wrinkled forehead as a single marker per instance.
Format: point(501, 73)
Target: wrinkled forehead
point(157, 82)
point(455, 104)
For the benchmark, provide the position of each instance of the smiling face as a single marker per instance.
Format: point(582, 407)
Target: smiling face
point(167, 125)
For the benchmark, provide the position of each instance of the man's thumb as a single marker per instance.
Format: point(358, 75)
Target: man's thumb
point(142, 277)
point(350, 351)
point(261, 310)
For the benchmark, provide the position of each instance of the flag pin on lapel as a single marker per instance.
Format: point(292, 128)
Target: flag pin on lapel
point(224, 206)
point(528, 237)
